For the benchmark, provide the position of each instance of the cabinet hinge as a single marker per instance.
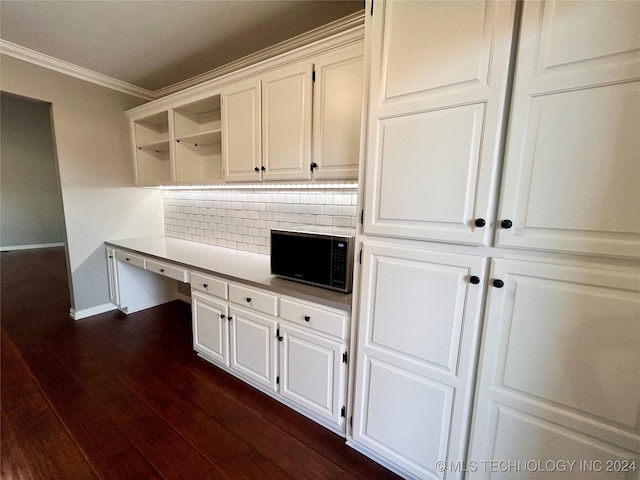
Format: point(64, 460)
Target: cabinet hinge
point(362, 217)
point(343, 411)
point(313, 76)
point(372, 8)
point(278, 380)
point(344, 357)
point(351, 421)
point(360, 260)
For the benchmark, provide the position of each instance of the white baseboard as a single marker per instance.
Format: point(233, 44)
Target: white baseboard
point(31, 247)
point(184, 298)
point(89, 312)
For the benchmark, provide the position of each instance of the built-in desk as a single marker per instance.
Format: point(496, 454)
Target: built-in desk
point(287, 339)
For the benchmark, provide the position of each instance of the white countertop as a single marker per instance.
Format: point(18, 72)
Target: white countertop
point(245, 267)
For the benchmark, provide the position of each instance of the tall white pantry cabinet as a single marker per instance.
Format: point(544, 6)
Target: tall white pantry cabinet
point(499, 281)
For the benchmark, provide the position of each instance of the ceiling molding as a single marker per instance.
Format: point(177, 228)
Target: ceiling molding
point(333, 28)
point(46, 61)
point(22, 53)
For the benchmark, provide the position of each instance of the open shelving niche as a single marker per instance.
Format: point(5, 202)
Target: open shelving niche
point(198, 141)
point(152, 149)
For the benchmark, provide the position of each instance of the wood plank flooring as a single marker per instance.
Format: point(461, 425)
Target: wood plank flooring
point(125, 397)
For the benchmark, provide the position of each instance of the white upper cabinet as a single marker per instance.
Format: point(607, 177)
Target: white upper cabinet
point(241, 145)
point(337, 111)
point(152, 158)
point(439, 74)
point(572, 165)
point(286, 123)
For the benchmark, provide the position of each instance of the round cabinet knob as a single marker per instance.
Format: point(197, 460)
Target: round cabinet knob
point(205, 285)
point(257, 169)
point(506, 224)
point(248, 299)
point(127, 259)
point(229, 318)
point(498, 283)
point(313, 166)
point(480, 222)
point(110, 256)
point(307, 318)
point(162, 270)
point(474, 280)
point(263, 168)
point(223, 316)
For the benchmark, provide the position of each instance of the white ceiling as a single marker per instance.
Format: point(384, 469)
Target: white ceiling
point(153, 44)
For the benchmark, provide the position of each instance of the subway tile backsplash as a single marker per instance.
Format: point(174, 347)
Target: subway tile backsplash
point(242, 219)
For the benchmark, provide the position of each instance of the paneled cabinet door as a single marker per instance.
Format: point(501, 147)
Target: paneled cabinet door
point(253, 346)
point(558, 377)
point(112, 272)
point(241, 135)
point(417, 344)
point(337, 110)
point(210, 327)
point(286, 123)
point(312, 373)
point(572, 169)
point(436, 111)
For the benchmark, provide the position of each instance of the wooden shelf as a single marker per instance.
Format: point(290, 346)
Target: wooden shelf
point(202, 139)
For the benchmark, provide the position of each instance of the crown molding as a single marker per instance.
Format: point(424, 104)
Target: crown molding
point(333, 28)
point(46, 61)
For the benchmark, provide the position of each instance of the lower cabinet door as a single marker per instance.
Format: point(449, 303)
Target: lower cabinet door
point(210, 327)
point(418, 333)
point(253, 346)
point(559, 376)
point(312, 373)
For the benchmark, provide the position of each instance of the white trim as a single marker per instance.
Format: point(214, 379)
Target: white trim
point(46, 61)
point(184, 298)
point(338, 26)
point(30, 247)
point(89, 312)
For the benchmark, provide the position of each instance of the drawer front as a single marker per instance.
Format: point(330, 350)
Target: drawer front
point(130, 258)
point(331, 323)
point(254, 299)
point(210, 285)
point(167, 270)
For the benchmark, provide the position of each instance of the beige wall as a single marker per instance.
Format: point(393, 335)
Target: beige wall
point(91, 140)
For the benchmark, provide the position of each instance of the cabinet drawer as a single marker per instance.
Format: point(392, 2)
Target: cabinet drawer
point(130, 258)
point(167, 270)
point(313, 317)
point(210, 285)
point(254, 299)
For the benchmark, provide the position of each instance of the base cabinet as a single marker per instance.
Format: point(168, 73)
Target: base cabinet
point(210, 327)
point(558, 377)
point(253, 346)
point(312, 372)
point(417, 343)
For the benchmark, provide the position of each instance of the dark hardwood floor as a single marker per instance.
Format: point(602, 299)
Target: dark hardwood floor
point(116, 396)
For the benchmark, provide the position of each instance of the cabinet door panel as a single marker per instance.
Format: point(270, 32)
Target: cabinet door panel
point(253, 346)
point(210, 327)
point(558, 344)
point(241, 145)
point(337, 111)
point(286, 123)
point(417, 343)
point(312, 373)
point(439, 74)
point(112, 272)
point(570, 181)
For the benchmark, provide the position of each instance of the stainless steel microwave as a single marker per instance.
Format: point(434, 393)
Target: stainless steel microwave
point(313, 258)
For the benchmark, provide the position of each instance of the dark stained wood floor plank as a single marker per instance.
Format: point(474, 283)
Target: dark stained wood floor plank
point(44, 444)
point(130, 399)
